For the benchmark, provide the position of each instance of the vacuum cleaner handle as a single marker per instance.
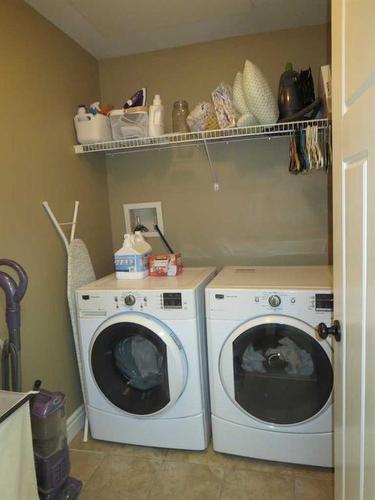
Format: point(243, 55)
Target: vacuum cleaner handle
point(13, 294)
point(22, 278)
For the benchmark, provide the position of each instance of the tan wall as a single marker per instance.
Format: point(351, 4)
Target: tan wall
point(261, 214)
point(44, 76)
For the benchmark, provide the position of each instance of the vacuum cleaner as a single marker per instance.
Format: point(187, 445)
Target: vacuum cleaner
point(11, 352)
point(51, 452)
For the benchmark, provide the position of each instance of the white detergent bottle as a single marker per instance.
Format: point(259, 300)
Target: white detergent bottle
point(142, 243)
point(156, 118)
point(130, 262)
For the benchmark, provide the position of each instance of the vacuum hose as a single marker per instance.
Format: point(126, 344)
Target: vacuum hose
point(11, 358)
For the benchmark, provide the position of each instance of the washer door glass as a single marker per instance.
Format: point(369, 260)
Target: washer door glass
point(130, 364)
point(282, 375)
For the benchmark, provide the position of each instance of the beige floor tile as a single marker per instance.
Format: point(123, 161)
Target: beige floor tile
point(211, 457)
point(206, 457)
point(121, 478)
point(254, 485)
point(313, 472)
point(187, 481)
point(313, 489)
point(84, 464)
point(252, 464)
point(142, 452)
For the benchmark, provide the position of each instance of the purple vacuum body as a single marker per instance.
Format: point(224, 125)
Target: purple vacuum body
point(51, 452)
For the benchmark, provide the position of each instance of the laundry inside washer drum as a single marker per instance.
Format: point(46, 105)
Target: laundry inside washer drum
point(139, 361)
point(286, 357)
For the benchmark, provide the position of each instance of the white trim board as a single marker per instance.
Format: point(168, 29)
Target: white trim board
point(75, 423)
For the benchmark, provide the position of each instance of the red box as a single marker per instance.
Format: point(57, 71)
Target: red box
point(169, 264)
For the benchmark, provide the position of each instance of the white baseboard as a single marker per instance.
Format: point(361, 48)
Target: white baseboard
point(75, 423)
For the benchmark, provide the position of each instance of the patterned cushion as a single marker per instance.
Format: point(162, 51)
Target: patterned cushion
point(238, 95)
point(258, 95)
point(247, 120)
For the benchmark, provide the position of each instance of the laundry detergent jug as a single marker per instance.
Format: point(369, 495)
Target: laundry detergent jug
point(131, 261)
point(141, 243)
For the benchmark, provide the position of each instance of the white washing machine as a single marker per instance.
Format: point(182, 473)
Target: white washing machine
point(143, 349)
point(271, 376)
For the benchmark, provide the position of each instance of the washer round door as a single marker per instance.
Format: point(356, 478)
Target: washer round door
point(138, 363)
point(275, 370)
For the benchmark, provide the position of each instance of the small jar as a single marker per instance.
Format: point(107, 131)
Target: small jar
point(179, 114)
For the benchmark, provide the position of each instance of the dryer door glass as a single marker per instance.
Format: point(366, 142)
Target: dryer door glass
point(282, 374)
point(129, 363)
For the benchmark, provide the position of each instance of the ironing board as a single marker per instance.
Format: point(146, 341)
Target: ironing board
point(79, 272)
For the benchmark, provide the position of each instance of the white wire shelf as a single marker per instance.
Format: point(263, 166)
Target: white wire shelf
point(211, 136)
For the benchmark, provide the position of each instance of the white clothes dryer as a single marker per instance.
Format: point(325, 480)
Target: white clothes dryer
point(271, 376)
point(143, 349)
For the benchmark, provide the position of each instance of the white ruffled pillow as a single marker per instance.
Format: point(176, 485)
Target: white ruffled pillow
point(247, 120)
point(238, 95)
point(258, 95)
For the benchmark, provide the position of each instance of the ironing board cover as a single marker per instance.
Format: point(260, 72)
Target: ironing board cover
point(80, 272)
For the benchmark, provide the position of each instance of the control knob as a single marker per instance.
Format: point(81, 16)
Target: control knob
point(274, 301)
point(129, 300)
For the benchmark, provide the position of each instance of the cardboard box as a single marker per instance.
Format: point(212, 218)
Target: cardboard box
point(169, 264)
point(325, 90)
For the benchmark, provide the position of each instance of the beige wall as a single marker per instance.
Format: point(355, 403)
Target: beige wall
point(261, 214)
point(44, 76)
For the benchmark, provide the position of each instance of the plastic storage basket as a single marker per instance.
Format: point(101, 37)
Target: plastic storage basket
point(96, 128)
point(130, 123)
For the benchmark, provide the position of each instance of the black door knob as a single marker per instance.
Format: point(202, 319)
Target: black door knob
point(335, 330)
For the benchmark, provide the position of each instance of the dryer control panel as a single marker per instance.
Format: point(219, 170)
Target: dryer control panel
point(312, 305)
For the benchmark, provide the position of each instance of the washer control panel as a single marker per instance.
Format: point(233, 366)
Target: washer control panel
point(129, 300)
point(163, 304)
point(172, 300)
point(274, 300)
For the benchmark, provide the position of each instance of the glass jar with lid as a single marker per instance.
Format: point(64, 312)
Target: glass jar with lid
point(179, 114)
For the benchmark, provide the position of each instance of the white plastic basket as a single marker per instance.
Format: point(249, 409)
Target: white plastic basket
point(129, 124)
point(96, 128)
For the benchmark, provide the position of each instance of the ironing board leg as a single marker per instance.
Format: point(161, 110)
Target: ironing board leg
point(86, 430)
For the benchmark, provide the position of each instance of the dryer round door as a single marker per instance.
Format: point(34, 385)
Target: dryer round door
point(275, 370)
point(138, 363)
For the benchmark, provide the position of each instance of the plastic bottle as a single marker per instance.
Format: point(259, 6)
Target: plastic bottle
point(82, 113)
point(131, 261)
point(289, 99)
point(141, 243)
point(156, 118)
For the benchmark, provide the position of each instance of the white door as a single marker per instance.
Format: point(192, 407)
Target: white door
point(353, 51)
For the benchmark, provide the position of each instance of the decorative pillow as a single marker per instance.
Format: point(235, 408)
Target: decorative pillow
point(222, 98)
point(258, 95)
point(247, 120)
point(238, 95)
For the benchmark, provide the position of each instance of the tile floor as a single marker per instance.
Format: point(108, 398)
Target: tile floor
point(123, 472)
